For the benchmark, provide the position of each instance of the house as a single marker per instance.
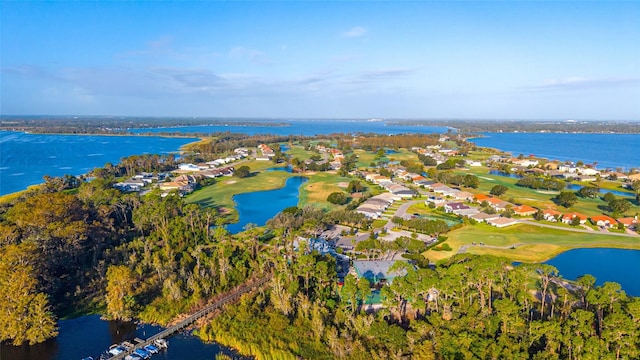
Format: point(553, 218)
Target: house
point(524, 210)
point(629, 222)
point(603, 220)
point(480, 198)
point(466, 212)
point(551, 215)
point(502, 222)
point(435, 200)
point(568, 217)
point(484, 216)
point(188, 167)
point(369, 212)
point(463, 196)
point(453, 206)
point(497, 204)
point(634, 177)
point(377, 271)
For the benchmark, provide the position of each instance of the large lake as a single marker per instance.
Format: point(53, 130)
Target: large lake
point(26, 158)
point(605, 264)
point(608, 150)
point(90, 336)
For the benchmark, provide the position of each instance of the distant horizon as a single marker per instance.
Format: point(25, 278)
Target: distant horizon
point(294, 118)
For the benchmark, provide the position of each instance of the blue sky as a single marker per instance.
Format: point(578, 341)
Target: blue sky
point(358, 59)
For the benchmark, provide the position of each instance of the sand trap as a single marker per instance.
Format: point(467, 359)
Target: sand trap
point(230, 182)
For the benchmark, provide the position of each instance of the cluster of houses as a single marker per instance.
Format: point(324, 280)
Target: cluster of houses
point(336, 155)
point(435, 152)
point(267, 152)
point(566, 170)
point(604, 221)
point(189, 175)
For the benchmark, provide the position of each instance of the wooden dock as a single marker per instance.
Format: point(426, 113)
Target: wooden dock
point(228, 298)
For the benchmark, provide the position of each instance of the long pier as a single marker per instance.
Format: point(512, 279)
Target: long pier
point(228, 298)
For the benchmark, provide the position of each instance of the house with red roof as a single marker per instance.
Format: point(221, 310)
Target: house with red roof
point(568, 217)
point(603, 220)
point(629, 222)
point(480, 198)
point(524, 210)
point(551, 215)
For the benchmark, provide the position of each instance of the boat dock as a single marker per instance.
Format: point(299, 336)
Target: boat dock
point(228, 298)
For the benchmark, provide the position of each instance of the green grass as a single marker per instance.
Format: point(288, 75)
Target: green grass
point(320, 185)
point(365, 158)
point(299, 152)
point(539, 244)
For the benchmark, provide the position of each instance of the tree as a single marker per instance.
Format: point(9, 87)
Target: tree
point(619, 206)
point(566, 198)
point(471, 181)
point(498, 190)
point(338, 198)
point(120, 299)
point(608, 197)
point(242, 172)
point(590, 192)
point(635, 186)
point(355, 186)
point(25, 313)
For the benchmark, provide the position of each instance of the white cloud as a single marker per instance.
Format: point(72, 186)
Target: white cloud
point(354, 32)
point(253, 55)
point(582, 83)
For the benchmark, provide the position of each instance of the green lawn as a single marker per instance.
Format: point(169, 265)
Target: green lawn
point(540, 244)
point(320, 185)
point(365, 158)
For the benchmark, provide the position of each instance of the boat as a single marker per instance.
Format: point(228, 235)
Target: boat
point(132, 357)
point(116, 349)
point(152, 349)
point(142, 353)
point(161, 343)
point(88, 358)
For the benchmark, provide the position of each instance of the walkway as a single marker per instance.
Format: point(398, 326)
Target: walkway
point(228, 298)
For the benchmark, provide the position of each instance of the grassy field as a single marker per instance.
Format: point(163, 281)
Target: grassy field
point(537, 243)
point(320, 185)
point(299, 152)
point(365, 158)
point(537, 198)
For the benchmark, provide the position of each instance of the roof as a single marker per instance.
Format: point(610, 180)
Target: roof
point(551, 212)
point(376, 270)
point(571, 215)
point(502, 221)
point(603, 218)
point(481, 197)
point(524, 209)
point(628, 221)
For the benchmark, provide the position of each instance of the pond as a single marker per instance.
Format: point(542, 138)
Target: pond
point(502, 173)
point(616, 265)
point(576, 187)
point(259, 206)
point(90, 336)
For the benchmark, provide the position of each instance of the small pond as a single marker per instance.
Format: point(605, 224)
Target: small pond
point(260, 206)
point(576, 187)
point(502, 173)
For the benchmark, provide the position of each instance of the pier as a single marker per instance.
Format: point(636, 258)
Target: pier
point(226, 299)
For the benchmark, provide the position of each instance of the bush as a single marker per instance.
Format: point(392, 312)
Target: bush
point(338, 198)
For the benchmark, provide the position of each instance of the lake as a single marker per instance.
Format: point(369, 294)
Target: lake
point(605, 264)
point(302, 127)
point(608, 150)
point(260, 206)
point(90, 336)
point(576, 187)
point(26, 158)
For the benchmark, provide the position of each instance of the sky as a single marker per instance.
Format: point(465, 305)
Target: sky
point(314, 59)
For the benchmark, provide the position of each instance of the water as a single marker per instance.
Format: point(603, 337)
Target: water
point(90, 336)
point(502, 173)
point(615, 265)
point(608, 150)
point(26, 158)
point(260, 206)
point(302, 127)
point(576, 187)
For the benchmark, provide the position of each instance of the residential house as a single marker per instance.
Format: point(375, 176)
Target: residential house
point(377, 271)
point(497, 204)
point(629, 222)
point(568, 217)
point(524, 210)
point(453, 206)
point(481, 216)
point(480, 198)
point(603, 220)
point(551, 215)
point(436, 201)
point(463, 196)
point(502, 222)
